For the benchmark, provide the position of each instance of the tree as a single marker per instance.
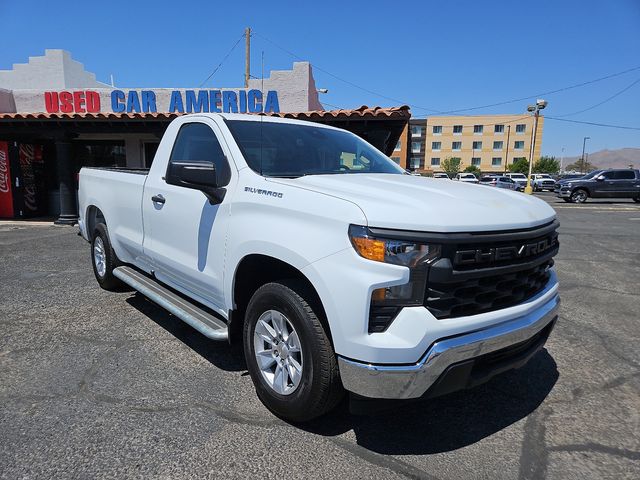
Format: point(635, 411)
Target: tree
point(577, 167)
point(546, 165)
point(519, 165)
point(473, 169)
point(451, 166)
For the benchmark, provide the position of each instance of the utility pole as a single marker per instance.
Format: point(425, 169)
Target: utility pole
point(582, 166)
point(540, 104)
point(506, 159)
point(247, 56)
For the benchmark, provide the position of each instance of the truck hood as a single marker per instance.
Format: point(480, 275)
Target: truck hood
point(424, 204)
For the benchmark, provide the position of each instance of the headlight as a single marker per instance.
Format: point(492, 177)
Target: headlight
point(397, 252)
point(386, 302)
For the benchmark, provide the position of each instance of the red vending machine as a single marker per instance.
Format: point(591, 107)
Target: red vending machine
point(6, 192)
point(22, 181)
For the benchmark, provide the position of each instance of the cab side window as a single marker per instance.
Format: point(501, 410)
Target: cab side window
point(196, 143)
point(624, 175)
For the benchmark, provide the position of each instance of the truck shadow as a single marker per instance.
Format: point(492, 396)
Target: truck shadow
point(400, 428)
point(450, 422)
point(222, 355)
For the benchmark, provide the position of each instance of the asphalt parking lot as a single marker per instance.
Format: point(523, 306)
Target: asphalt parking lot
point(107, 385)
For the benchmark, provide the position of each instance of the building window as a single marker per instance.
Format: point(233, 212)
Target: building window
point(477, 145)
point(398, 146)
point(435, 161)
point(435, 146)
point(416, 131)
point(478, 129)
point(475, 161)
point(497, 145)
point(457, 129)
point(496, 161)
point(416, 162)
point(416, 147)
point(437, 130)
point(396, 159)
point(498, 129)
point(518, 144)
point(455, 146)
point(521, 128)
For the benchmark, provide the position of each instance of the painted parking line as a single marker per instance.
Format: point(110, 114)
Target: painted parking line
point(609, 209)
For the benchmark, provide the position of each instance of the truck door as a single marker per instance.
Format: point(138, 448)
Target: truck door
point(624, 183)
point(604, 188)
point(184, 232)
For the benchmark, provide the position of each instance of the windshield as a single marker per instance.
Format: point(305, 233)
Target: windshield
point(595, 173)
point(292, 150)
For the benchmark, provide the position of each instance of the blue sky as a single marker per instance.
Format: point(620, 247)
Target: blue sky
point(444, 55)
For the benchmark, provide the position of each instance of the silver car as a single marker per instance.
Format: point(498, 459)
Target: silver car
point(499, 182)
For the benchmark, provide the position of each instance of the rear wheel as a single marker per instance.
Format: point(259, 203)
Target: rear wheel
point(579, 196)
point(104, 259)
point(289, 356)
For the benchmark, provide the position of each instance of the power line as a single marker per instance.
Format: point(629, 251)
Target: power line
point(603, 101)
point(551, 92)
point(222, 61)
point(479, 107)
point(624, 127)
point(343, 80)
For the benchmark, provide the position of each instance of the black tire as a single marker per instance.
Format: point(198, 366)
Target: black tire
point(320, 388)
point(579, 195)
point(106, 280)
point(637, 199)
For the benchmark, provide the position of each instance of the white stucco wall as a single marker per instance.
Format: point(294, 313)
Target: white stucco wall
point(56, 71)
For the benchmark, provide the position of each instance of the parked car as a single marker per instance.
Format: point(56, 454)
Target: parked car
point(466, 177)
point(542, 181)
point(519, 178)
point(441, 175)
point(500, 182)
point(331, 266)
point(612, 183)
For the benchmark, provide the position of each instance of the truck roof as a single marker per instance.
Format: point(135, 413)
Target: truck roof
point(254, 117)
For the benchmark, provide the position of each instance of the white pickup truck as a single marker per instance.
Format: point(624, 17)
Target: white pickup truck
point(335, 269)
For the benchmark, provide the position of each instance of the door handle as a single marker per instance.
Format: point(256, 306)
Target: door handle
point(158, 199)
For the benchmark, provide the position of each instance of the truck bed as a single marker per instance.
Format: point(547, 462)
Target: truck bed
point(136, 171)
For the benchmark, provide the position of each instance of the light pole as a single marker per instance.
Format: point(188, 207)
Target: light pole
point(540, 104)
point(584, 142)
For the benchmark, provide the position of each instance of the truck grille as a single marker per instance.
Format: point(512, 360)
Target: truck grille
point(486, 272)
point(485, 294)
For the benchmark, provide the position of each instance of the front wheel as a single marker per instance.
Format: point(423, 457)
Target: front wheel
point(579, 196)
point(289, 356)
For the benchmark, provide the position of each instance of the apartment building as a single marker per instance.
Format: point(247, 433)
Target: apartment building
point(489, 142)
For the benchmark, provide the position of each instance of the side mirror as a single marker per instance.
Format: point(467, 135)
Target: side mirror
point(198, 176)
point(600, 178)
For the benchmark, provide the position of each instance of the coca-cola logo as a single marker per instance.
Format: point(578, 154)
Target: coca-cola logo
point(4, 173)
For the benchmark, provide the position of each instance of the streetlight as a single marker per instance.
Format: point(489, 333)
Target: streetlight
point(584, 142)
point(540, 104)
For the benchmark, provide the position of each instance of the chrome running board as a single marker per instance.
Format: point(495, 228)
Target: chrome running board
point(207, 324)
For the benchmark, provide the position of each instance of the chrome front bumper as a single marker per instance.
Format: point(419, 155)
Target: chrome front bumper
point(412, 381)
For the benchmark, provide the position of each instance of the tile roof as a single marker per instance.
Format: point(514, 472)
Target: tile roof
point(401, 112)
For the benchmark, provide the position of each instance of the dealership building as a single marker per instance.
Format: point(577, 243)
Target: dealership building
point(56, 117)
